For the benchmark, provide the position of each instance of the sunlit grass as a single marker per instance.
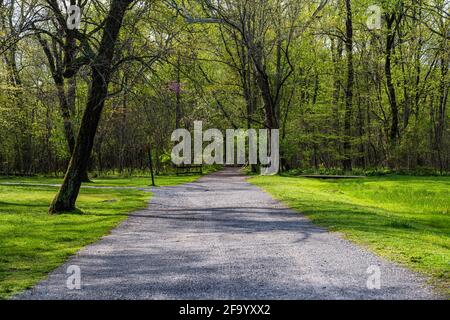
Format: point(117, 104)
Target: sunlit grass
point(140, 182)
point(406, 219)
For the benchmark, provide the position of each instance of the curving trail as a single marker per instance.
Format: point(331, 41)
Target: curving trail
point(223, 238)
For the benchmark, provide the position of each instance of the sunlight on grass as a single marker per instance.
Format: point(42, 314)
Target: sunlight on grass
point(141, 182)
point(405, 219)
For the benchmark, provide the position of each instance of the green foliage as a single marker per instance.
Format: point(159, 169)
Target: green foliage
point(218, 80)
point(419, 171)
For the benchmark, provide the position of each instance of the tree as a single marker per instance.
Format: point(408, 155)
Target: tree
point(347, 163)
point(101, 68)
point(378, 100)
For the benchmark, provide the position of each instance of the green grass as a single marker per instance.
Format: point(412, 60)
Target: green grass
point(165, 180)
point(32, 242)
point(405, 219)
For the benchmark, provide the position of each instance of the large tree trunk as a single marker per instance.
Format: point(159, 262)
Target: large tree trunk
point(101, 73)
point(65, 106)
point(271, 120)
point(66, 101)
point(71, 100)
point(347, 163)
point(67, 119)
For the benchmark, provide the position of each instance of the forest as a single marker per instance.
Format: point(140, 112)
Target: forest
point(91, 92)
point(352, 85)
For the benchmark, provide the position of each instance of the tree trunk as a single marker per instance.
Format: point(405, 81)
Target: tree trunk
point(347, 163)
point(394, 133)
point(101, 74)
point(441, 123)
point(71, 100)
point(150, 158)
point(336, 54)
point(178, 114)
point(66, 102)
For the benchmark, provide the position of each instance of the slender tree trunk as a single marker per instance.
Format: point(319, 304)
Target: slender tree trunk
point(248, 87)
point(178, 114)
point(394, 132)
point(347, 163)
point(440, 122)
point(101, 74)
point(336, 52)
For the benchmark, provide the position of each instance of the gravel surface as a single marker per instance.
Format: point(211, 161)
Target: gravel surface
point(223, 238)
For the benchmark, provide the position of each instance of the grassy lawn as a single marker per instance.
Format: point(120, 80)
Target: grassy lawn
point(107, 181)
point(32, 243)
point(405, 219)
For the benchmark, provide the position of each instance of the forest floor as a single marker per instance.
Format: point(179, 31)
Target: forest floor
point(403, 218)
point(221, 237)
point(33, 243)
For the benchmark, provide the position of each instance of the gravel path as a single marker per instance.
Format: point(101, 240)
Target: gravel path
point(223, 238)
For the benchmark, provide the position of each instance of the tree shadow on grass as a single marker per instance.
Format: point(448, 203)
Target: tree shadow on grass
point(22, 204)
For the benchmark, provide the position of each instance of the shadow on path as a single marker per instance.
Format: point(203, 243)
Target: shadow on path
point(223, 238)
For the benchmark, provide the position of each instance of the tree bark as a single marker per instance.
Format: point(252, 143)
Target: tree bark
point(441, 123)
point(178, 114)
point(347, 163)
point(336, 52)
point(394, 132)
point(66, 101)
point(150, 158)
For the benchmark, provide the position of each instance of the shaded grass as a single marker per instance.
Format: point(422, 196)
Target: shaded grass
point(405, 219)
point(33, 243)
point(140, 182)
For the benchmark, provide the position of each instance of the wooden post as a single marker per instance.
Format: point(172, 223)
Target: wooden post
point(151, 163)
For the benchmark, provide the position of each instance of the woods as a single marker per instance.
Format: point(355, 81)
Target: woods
point(102, 97)
point(224, 149)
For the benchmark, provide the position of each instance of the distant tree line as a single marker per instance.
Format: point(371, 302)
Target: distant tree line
point(95, 99)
